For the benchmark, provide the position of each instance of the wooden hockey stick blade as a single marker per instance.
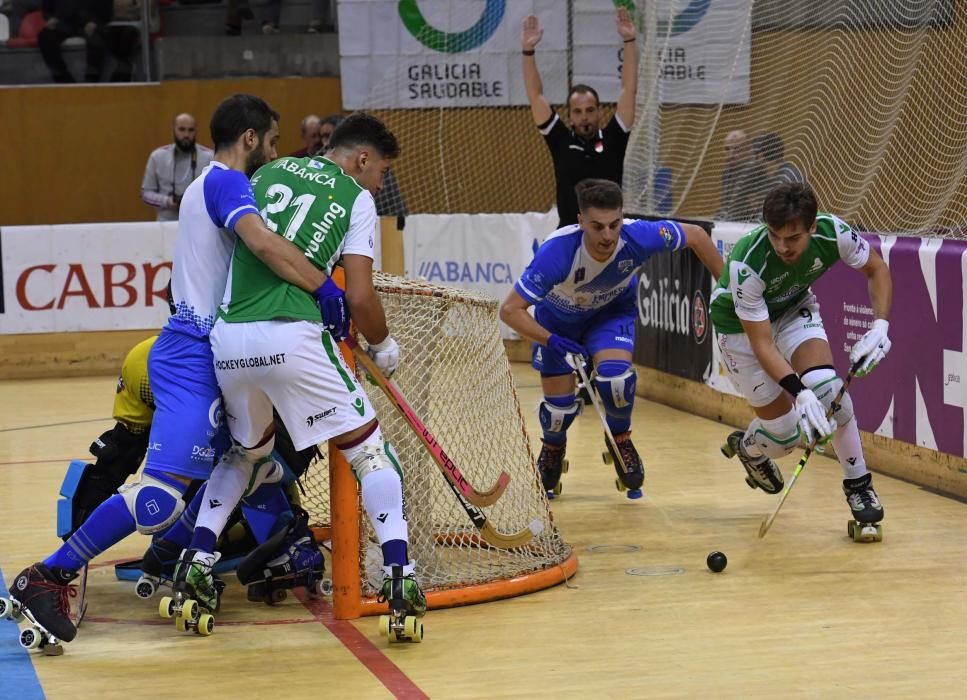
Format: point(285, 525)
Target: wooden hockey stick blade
point(435, 450)
point(492, 535)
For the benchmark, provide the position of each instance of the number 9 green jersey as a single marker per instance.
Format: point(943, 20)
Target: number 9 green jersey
point(323, 212)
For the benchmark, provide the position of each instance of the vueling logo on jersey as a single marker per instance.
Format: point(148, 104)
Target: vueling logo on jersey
point(320, 178)
point(320, 228)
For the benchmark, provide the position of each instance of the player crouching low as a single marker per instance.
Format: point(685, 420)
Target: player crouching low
point(582, 284)
point(775, 349)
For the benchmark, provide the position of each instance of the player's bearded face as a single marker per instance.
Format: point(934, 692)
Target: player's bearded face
point(602, 228)
point(790, 241)
point(264, 150)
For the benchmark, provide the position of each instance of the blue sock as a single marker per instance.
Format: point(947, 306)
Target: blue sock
point(394, 552)
point(266, 511)
point(203, 540)
point(180, 533)
point(106, 526)
point(564, 401)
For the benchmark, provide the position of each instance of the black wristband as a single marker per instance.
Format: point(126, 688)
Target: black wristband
point(628, 41)
point(792, 383)
point(528, 52)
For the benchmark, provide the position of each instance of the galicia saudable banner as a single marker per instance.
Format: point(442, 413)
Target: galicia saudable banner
point(446, 53)
point(673, 330)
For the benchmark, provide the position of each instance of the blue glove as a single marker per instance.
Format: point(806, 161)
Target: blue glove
point(332, 306)
point(565, 347)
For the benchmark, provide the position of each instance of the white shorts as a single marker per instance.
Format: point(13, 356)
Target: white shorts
point(292, 365)
point(792, 329)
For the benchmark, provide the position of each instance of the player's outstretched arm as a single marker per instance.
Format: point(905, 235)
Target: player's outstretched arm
point(282, 257)
point(530, 37)
point(629, 69)
point(513, 312)
point(701, 244)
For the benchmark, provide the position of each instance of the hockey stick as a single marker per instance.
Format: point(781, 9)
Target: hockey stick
point(446, 464)
point(578, 362)
point(833, 407)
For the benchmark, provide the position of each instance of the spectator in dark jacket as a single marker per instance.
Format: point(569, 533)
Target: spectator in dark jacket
point(67, 18)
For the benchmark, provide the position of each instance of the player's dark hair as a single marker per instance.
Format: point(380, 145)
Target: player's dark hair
point(582, 89)
point(599, 194)
point(236, 115)
point(788, 203)
point(770, 147)
point(361, 129)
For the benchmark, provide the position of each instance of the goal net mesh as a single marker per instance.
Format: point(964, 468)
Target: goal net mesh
point(456, 377)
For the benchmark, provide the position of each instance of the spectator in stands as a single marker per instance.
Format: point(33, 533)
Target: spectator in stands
point(17, 10)
point(742, 179)
point(67, 18)
point(123, 39)
point(309, 133)
point(327, 125)
point(770, 155)
point(584, 150)
point(171, 168)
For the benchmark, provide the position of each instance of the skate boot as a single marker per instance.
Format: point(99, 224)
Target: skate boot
point(632, 479)
point(761, 472)
point(195, 593)
point(406, 604)
point(42, 596)
point(289, 559)
point(867, 510)
point(551, 464)
point(157, 567)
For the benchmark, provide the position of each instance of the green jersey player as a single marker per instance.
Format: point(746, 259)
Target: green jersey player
point(775, 349)
point(271, 350)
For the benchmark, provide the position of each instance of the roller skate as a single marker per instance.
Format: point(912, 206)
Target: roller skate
point(42, 596)
point(406, 604)
point(761, 472)
point(289, 559)
point(195, 593)
point(867, 510)
point(551, 464)
point(632, 476)
point(157, 567)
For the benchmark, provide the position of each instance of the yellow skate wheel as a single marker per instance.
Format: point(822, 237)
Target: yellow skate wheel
point(565, 466)
point(606, 456)
point(166, 607)
point(181, 624)
point(849, 528)
point(206, 625)
point(385, 622)
point(189, 609)
point(413, 628)
point(557, 489)
point(619, 485)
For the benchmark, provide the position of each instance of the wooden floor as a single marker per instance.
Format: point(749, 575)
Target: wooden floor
point(804, 612)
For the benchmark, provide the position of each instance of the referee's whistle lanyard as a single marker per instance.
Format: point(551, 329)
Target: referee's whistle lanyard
point(174, 161)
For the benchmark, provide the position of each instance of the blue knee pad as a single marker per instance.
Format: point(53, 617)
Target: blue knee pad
point(556, 414)
point(615, 382)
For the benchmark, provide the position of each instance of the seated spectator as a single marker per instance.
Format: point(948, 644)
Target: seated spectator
point(17, 10)
point(123, 41)
point(742, 178)
point(67, 18)
point(309, 133)
point(770, 153)
point(326, 126)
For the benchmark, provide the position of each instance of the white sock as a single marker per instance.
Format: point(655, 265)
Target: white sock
point(222, 494)
point(383, 499)
point(849, 450)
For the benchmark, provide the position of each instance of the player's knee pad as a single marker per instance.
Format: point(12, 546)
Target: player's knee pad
point(615, 382)
point(256, 465)
point(823, 382)
point(776, 437)
point(374, 453)
point(557, 419)
point(154, 502)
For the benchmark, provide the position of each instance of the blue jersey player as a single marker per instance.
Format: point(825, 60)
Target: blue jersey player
point(582, 285)
point(216, 208)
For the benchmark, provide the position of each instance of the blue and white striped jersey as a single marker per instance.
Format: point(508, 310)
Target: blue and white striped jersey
point(210, 208)
point(564, 279)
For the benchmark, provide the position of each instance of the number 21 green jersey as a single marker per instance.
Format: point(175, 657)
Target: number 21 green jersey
point(756, 285)
point(322, 211)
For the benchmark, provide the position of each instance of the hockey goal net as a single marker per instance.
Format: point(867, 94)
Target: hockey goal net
point(456, 377)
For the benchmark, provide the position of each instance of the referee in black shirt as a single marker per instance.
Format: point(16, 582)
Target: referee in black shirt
point(585, 150)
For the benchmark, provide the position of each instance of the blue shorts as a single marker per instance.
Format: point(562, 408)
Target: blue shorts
point(612, 327)
point(188, 414)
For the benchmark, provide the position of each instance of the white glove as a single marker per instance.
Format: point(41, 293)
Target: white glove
point(812, 418)
point(871, 348)
point(386, 355)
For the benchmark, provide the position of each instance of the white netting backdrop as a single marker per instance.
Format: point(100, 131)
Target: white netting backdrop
point(455, 375)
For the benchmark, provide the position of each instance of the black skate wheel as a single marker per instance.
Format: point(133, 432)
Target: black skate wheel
point(5, 607)
point(751, 482)
point(276, 596)
point(145, 589)
point(849, 529)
